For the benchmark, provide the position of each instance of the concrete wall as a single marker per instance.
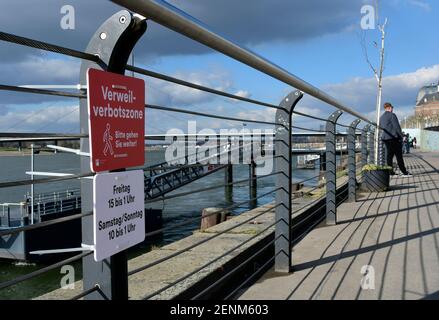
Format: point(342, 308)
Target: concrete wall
point(430, 140)
point(415, 133)
point(427, 140)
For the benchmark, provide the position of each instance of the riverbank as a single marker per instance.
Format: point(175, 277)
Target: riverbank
point(174, 210)
point(203, 263)
point(24, 152)
point(8, 152)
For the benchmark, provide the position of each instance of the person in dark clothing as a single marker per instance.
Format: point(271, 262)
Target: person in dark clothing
point(407, 145)
point(404, 141)
point(392, 137)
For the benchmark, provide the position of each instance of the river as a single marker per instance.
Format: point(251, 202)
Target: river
point(175, 210)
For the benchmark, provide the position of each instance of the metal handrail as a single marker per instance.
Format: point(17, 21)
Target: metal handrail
point(170, 17)
point(195, 86)
point(24, 136)
point(181, 22)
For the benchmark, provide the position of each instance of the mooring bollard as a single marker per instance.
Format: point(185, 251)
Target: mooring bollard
point(211, 217)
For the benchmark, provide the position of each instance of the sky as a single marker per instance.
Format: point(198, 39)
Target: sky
point(319, 41)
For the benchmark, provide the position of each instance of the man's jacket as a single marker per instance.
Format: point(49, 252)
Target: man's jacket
point(390, 125)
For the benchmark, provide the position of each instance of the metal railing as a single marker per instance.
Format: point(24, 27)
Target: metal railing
point(7, 219)
point(177, 20)
point(288, 226)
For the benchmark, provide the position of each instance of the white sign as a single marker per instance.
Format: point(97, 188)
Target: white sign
point(119, 212)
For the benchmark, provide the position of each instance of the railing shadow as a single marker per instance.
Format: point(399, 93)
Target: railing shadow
point(353, 253)
point(296, 267)
point(412, 214)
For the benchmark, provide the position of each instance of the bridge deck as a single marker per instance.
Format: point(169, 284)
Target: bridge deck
point(396, 232)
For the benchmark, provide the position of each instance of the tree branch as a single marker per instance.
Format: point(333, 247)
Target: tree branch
point(366, 55)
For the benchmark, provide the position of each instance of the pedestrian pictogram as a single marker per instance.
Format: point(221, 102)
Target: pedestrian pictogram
point(108, 138)
point(117, 120)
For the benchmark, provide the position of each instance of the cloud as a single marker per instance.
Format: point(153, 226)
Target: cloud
point(243, 94)
point(400, 89)
point(53, 118)
point(420, 4)
point(157, 92)
point(357, 93)
point(170, 94)
point(360, 93)
point(247, 23)
point(266, 114)
point(41, 19)
point(37, 71)
point(40, 70)
point(3, 109)
point(49, 70)
point(273, 20)
point(316, 112)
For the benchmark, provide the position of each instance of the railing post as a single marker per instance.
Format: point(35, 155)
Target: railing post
point(364, 150)
point(382, 158)
point(322, 161)
point(229, 169)
point(331, 168)
point(113, 43)
point(371, 146)
point(352, 167)
point(283, 167)
point(252, 184)
point(384, 153)
point(228, 173)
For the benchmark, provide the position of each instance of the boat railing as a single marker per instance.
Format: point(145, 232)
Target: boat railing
point(8, 218)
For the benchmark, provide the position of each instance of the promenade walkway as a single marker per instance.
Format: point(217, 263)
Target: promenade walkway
point(395, 232)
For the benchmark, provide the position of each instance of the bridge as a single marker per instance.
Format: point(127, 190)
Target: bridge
point(297, 246)
point(160, 179)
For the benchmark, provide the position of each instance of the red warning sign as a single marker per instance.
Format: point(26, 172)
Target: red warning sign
point(116, 108)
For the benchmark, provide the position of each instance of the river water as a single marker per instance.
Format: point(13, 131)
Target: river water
point(175, 210)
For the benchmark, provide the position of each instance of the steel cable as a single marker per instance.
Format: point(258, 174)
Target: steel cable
point(44, 180)
point(149, 265)
point(44, 223)
point(42, 91)
point(189, 221)
point(43, 270)
point(209, 263)
point(209, 188)
point(160, 76)
point(196, 113)
point(47, 46)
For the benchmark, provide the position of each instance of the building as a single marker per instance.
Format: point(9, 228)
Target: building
point(427, 102)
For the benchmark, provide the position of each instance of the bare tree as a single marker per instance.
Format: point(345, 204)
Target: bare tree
point(378, 72)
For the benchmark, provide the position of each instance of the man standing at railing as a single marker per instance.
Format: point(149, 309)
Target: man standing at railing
point(392, 137)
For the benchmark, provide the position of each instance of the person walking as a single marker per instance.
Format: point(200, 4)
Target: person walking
point(407, 143)
point(404, 142)
point(392, 138)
